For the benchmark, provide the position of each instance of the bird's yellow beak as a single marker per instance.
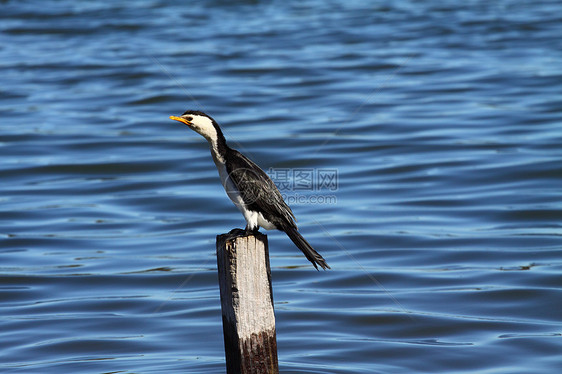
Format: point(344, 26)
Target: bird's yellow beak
point(182, 120)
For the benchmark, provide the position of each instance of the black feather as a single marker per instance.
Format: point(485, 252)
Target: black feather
point(258, 190)
point(306, 248)
point(260, 194)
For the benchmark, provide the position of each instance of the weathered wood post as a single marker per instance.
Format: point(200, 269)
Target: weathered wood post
point(247, 303)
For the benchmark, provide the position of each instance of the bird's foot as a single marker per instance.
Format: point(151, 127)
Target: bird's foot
point(237, 232)
point(251, 231)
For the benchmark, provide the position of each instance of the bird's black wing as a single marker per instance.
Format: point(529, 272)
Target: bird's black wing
point(260, 194)
point(257, 190)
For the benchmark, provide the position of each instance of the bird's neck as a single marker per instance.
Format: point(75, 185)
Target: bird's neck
point(218, 147)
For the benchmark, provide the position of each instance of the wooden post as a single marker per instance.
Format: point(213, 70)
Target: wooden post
point(247, 303)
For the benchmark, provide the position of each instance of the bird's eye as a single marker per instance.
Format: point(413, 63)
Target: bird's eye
point(189, 119)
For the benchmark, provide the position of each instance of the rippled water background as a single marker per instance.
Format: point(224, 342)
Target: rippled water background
point(442, 121)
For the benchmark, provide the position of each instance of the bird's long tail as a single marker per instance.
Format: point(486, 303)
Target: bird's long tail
point(306, 248)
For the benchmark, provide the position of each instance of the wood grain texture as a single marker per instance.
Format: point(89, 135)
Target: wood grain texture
point(247, 303)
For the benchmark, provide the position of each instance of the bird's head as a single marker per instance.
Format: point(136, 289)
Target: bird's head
point(201, 123)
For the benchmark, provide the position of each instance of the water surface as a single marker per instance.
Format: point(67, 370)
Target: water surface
point(441, 123)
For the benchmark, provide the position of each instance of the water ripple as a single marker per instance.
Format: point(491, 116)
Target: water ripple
point(441, 120)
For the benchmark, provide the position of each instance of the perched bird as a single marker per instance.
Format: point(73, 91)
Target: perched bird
point(249, 187)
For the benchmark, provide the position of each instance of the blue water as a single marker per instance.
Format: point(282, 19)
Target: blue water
point(438, 125)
